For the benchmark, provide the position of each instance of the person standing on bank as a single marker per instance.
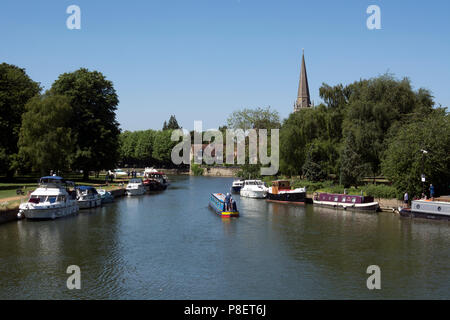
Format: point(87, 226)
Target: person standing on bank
point(405, 199)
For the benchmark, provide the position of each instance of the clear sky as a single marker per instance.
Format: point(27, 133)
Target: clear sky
point(203, 59)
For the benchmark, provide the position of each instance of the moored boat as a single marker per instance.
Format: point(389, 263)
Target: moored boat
point(237, 186)
point(217, 203)
point(135, 187)
point(52, 199)
point(281, 191)
point(254, 189)
point(345, 201)
point(437, 210)
point(106, 196)
point(88, 197)
point(155, 181)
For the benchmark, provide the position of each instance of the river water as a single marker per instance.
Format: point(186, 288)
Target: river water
point(172, 246)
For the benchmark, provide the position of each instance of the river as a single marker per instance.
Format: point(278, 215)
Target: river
point(172, 246)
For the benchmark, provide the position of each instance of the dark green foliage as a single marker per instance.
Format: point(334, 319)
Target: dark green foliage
point(402, 162)
point(94, 103)
point(172, 124)
point(349, 134)
point(197, 170)
point(16, 89)
point(46, 139)
point(352, 168)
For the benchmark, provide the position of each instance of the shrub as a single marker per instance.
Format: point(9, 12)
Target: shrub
point(197, 170)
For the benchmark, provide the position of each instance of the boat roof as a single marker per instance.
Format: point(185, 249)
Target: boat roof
point(52, 178)
point(85, 187)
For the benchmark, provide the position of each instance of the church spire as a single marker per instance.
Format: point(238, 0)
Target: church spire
point(303, 98)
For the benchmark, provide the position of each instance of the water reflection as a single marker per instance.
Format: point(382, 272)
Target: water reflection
point(170, 245)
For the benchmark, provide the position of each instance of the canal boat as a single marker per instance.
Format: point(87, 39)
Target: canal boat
point(106, 196)
point(254, 189)
point(88, 197)
point(345, 201)
point(217, 203)
point(135, 187)
point(237, 186)
point(437, 210)
point(52, 199)
point(281, 191)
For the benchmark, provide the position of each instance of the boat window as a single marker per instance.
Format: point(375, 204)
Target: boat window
point(354, 200)
point(336, 199)
point(343, 199)
point(51, 199)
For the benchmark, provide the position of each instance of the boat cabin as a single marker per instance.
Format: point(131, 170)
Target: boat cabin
point(280, 185)
point(343, 198)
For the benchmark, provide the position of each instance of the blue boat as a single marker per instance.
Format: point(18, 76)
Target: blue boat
point(217, 203)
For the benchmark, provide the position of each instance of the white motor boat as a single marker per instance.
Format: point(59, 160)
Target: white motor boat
point(135, 187)
point(88, 197)
point(51, 200)
point(254, 189)
point(237, 186)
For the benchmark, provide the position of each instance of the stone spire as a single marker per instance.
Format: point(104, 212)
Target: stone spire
point(303, 98)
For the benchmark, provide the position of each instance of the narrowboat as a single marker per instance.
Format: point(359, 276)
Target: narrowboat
point(217, 203)
point(237, 186)
point(52, 199)
point(345, 201)
point(281, 191)
point(437, 210)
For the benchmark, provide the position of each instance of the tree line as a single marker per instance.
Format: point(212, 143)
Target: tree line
point(144, 148)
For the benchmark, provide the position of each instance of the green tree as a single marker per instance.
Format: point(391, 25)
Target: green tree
point(94, 103)
point(259, 118)
point(352, 167)
point(16, 89)
point(46, 139)
point(314, 168)
point(402, 160)
point(162, 147)
point(172, 124)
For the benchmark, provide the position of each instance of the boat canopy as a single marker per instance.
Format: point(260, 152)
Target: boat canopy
point(84, 188)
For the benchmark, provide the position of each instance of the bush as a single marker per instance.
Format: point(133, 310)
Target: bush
point(381, 191)
point(197, 170)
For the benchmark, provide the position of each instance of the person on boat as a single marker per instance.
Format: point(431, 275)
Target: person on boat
point(405, 199)
point(227, 201)
point(431, 191)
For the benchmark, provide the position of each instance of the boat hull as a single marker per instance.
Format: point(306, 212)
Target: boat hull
point(88, 204)
point(371, 206)
point(254, 194)
point(288, 197)
point(236, 189)
point(50, 213)
point(135, 192)
point(435, 210)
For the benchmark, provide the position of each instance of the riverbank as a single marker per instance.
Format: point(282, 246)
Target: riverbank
point(9, 207)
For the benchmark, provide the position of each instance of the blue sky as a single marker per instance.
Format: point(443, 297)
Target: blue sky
point(203, 59)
